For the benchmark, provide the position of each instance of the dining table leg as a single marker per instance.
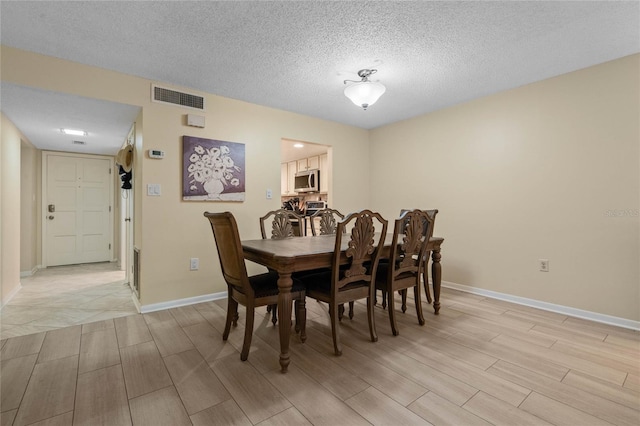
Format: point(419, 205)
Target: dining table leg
point(284, 314)
point(436, 274)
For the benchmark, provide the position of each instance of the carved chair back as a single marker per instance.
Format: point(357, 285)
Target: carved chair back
point(411, 234)
point(281, 225)
point(326, 221)
point(363, 252)
point(431, 213)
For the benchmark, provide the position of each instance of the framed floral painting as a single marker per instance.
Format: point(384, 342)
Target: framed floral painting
point(212, 170)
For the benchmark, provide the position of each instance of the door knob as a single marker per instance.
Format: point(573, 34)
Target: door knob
point(50, 217)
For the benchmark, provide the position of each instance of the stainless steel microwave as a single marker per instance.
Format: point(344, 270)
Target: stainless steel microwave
point(307, 181)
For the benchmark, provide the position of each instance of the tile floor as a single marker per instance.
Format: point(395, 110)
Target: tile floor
point(63, 296)
point(480, 362)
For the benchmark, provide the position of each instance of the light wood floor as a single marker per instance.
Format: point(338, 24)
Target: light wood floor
point(479, 362)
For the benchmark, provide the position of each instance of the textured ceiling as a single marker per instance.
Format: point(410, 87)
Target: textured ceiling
point(294, 55)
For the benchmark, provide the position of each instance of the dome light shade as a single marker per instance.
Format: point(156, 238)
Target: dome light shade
point(364, 93)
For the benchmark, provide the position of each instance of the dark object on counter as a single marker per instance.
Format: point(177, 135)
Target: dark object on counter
point(294, 205)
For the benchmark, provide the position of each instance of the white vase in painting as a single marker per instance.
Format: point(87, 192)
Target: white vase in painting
point(214, 188)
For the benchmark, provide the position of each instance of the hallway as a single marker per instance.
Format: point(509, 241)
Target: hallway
point(62, 296)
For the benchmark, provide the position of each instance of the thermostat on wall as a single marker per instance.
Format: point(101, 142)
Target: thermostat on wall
point(156, 153)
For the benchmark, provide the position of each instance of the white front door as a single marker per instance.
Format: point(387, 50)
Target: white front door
point(77, 194)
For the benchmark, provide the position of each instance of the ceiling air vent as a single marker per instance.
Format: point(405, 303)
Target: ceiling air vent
point(168, 96)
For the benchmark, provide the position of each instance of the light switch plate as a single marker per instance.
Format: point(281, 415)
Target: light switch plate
point(153, 189)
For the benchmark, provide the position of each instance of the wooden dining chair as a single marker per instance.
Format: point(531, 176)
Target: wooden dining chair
point(425, 270)
point(405, 264)
point(353, 271)
point(325, 221)
point(280, 225)
point(249, 291)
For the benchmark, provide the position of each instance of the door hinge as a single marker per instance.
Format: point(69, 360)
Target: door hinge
point(109, 246)
point(109, 170)
point(109, 208)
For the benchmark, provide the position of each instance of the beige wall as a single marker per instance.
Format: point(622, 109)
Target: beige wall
point(169, 231)
point(541, 171)
point(10, 209)
point(30, 166)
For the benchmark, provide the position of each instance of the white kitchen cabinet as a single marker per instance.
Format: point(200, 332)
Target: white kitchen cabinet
point(313, 163)
point(292, 169)
point(303, 165)
point(323, 161)
point(284, 179)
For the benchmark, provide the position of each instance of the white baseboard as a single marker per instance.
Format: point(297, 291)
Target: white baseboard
point(565, 310)
point(180, 302)
point(12, 295)
point(31, 272)
point(136, 301)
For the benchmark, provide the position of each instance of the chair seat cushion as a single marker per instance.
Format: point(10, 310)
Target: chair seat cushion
point(383, 272)
point(321, 282)
point(267, 284)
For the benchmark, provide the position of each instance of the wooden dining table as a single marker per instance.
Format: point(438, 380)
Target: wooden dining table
point(297, 254)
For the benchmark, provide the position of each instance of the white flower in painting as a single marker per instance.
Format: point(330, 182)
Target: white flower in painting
point(235, 181)
point(214, 152)
point(228, 162)
point(217, 172)
point(217, 163)
point(197, 175)
point(228, 175)
point(191, 168)
point(198, 149)
point(193, 188)
point(199, 165)
point(225, 150)
point(194, 158)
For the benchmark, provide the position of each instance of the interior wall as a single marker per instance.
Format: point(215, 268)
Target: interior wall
point(10, 209)
point(29, 176)
point(170, 231)
point(545, 171)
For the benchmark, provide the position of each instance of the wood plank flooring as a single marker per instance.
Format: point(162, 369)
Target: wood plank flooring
point(480, 362)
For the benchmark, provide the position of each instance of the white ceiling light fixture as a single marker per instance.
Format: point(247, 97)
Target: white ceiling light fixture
point(364, 93)
point(74, 132)
point(298, 145)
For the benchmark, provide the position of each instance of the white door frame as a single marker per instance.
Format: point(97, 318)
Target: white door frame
point(44, 198)
point(126, 221)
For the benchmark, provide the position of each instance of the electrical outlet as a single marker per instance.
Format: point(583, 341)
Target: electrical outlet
point(195, 263)
point(544, 265)
point(269, 194)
